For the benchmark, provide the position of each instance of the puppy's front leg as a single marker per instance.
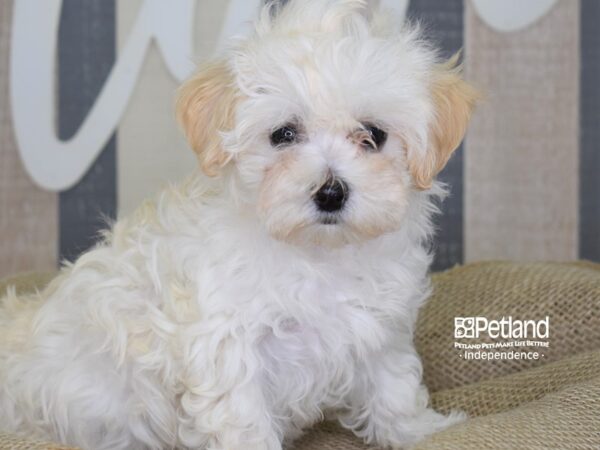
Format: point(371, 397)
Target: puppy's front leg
point(223, 406)
point(388, 406)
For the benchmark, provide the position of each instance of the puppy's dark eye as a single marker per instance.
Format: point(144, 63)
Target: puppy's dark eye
point(377, 137)
point(287, 134)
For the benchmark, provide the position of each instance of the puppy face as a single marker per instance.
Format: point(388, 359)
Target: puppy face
point(326, 121)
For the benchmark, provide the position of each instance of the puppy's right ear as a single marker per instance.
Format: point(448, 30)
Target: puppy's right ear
point(454, 100)
point(205, 107)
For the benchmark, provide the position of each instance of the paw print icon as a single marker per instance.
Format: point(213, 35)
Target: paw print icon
point(464, 327)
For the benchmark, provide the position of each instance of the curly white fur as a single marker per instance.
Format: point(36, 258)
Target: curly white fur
point(225, 314)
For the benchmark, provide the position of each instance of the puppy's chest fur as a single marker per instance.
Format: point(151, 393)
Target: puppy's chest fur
point(314, 324)
point(312, 357)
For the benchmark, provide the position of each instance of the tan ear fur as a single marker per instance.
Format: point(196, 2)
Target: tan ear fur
point(454, 100)
point(206, 106)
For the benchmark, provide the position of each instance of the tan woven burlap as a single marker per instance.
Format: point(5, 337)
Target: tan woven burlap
point(552, 403)
point(27, 282)
point(12, 442)
point(509, 391)
point(566, 419)
point(568, 293)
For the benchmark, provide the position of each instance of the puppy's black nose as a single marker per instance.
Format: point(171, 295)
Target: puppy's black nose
point(332, 195)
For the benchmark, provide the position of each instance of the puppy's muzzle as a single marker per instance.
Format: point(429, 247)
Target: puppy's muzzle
point(332, 196)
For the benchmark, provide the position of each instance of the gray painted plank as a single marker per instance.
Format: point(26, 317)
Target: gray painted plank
point(87, 42)
point(443, 24)
point(589, 169)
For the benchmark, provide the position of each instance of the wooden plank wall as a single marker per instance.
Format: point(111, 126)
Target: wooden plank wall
point(522, 158)
point(86, 53)
point(589, 183)
point(28, 215)
point(524, 185)
point(151, 149)
point(442, 23)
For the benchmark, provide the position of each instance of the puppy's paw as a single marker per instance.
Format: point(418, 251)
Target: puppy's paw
point(433, 421)
point(414, 429)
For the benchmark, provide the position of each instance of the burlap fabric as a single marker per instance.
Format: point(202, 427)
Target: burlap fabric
point(568, 293)
point(12, 442)
point(551, 403)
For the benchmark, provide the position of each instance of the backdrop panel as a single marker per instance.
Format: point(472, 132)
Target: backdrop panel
point(521, 166)
point(28, 215)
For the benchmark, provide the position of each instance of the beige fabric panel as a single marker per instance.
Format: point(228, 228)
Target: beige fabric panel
point(521, 160)
point(151, 150)
point(29, 215)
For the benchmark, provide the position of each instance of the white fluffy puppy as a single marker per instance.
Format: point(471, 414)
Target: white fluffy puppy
point(239, 308)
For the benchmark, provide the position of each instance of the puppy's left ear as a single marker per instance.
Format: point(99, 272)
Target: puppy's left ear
point(453, 100)
point(205, 107)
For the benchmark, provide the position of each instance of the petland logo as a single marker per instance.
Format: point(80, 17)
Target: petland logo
point(519, 339)
point(505, 328)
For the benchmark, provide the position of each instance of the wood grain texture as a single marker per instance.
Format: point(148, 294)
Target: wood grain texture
point(589, 186)
point(151, 149)
point(442, 21)
point(86, 54)
point(28, 215)
point(521, 165)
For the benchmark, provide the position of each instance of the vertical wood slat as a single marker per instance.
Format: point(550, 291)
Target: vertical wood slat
point(28, 215)
point(443, 24)
point(589, 168)
point(86, 55)
point(521, 171)
point(151, 148)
